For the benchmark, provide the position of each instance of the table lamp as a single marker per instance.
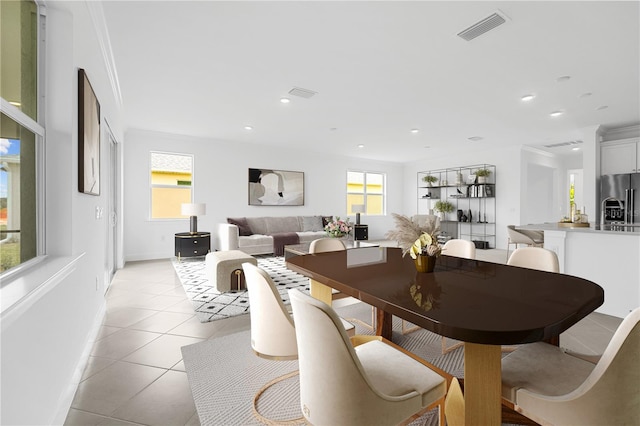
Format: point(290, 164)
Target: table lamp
point(194, 210)
point(357, 209)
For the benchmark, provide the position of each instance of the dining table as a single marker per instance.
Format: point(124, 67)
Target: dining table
point(484, 304)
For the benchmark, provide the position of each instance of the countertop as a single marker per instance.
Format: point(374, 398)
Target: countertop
point(593, 228)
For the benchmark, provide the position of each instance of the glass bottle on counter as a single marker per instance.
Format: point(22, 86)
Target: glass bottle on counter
point(584, 218)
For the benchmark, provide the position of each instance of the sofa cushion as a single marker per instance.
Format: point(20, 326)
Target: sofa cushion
point(278, 225)
point(243, 227)
point(258, 225)
point(312, 223)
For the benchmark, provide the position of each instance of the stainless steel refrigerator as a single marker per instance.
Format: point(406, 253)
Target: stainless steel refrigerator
point(619, 199)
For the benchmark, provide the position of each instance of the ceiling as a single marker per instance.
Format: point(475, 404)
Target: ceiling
point(379, 70)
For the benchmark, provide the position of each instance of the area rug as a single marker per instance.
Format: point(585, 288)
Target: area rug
point(211, 305)
point(225, 374)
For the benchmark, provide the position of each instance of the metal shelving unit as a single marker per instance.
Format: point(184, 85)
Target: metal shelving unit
point(473, 199)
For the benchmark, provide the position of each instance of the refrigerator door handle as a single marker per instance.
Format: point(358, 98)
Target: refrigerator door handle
point(627, 206)
point(632, 204)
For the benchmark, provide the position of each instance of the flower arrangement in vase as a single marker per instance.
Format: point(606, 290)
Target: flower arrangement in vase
point(424, 251)
point(338, 228)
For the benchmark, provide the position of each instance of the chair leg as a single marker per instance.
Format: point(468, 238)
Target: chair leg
point(446, 350)
point(265, 420)
point(406, 329)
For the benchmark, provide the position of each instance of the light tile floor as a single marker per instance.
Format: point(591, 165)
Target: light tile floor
point(135, 374)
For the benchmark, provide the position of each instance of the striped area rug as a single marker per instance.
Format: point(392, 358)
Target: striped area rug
point(225, 374)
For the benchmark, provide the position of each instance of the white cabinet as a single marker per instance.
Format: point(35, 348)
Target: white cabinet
point(621, 156)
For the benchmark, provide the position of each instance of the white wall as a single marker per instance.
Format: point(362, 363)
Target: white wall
point(45, 336)
point(220, 181)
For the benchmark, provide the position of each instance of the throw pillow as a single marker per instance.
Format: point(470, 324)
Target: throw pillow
point(243, 227)
point(312, 223)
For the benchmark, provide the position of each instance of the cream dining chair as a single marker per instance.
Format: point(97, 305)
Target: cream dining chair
point(273, 334)
point(323, 245)
point(357, 384)
point(535, 258)
point(529, 237)
point(550, 386)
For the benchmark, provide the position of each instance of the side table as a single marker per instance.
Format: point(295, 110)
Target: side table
point(360, 232)
point(189, 245)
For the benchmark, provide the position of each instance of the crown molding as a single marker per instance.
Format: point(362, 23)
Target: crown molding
point(102, 32)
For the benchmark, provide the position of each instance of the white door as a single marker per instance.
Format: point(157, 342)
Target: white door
point(112, 209)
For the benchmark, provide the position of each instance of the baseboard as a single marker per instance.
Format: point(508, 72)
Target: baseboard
point(66, 399)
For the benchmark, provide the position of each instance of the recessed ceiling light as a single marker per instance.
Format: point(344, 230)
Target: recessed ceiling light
point(475, 138)
point(285, 100)
point(14, 103)
point(333, 129)
point(585, 95)
point(575, 149)
point(248, 128)
point(415, 130)
point(427, 147)
point(563, 78)
point(527, 98)
point(601, 107)
point(556, 113)
point(360, 146)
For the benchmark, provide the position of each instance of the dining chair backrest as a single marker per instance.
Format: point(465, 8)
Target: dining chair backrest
point(460, 248)
point(335, 386)
point(273, 333)
point(535, 258)
point(608, 395)
point(326, 244)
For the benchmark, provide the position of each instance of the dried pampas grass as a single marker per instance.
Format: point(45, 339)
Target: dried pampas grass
point(408, 231)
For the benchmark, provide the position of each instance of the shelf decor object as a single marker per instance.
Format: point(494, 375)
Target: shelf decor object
point(194, 210)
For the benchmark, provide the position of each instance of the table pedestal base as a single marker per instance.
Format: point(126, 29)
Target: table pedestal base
point(482, 384)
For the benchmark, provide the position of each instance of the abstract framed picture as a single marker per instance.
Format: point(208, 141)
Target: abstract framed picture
point(88, 137)
point(269, 187)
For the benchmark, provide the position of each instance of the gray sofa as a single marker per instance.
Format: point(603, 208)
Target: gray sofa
point(263, 231)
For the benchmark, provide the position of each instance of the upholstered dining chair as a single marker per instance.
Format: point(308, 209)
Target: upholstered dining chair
point(529, 237)
point(357, 384)
point(535, 258)
point(550, 386)
point(273, 334)
point(457, 248)
point(322, 245)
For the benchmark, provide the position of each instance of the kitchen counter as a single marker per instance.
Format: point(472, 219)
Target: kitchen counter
point(593, 228)
point(608, 257)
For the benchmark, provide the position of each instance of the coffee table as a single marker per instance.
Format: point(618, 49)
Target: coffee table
point(303, 248)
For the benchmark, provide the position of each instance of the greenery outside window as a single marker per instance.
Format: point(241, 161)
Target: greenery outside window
point(366, 188)
point(21, 136)
point(171, 184)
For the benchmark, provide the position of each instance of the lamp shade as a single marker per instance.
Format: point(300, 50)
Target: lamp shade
point(357, 208)
point(193, 209)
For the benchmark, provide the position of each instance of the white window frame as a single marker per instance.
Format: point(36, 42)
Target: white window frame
point(151, 185)
point(364, 193)
point(38, 129)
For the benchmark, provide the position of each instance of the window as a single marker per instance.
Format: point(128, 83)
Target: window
point(21, 137)
point(171, 184)
point(366, 188)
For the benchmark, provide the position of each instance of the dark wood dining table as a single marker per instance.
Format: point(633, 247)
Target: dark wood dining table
point(483, 304)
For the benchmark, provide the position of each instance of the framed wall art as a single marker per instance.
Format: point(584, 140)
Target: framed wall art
point(88, 137)
point(268, 187)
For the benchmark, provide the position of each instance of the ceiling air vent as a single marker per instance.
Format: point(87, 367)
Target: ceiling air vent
point(559, 144)
point(303, 93)
point(487, 24)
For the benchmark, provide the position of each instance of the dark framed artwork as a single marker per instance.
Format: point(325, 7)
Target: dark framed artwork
point(269, 187)
point(88, 137)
